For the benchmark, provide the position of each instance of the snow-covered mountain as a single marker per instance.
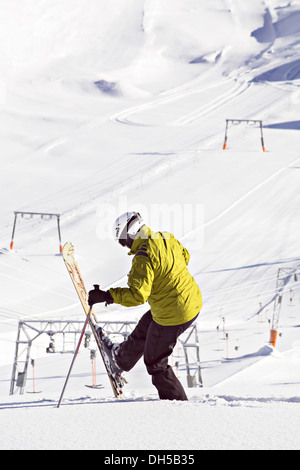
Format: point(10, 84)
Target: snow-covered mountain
point(114, 106)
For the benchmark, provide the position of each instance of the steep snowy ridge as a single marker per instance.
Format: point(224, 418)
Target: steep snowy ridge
point(113, 106)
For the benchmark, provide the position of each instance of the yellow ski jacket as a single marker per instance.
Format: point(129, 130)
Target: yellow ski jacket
point(160, 276)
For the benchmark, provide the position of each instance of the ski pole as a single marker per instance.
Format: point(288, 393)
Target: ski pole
point(75, 355)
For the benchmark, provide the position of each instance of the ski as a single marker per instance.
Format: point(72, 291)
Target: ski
point(68, 254)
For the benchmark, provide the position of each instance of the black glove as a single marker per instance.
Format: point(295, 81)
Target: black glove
point(97, 295)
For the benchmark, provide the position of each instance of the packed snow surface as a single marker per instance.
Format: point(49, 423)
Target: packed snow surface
point(113, 106)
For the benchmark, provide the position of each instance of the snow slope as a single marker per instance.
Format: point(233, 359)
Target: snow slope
point(114, 106)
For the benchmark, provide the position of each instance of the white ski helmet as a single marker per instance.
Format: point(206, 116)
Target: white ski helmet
point(126, 227)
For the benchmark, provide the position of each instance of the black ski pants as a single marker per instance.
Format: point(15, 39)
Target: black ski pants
point(156, 343)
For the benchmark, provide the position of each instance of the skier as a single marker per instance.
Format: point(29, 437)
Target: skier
point(160, 276)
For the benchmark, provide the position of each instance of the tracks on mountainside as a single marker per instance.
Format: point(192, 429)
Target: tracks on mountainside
point(180, 93)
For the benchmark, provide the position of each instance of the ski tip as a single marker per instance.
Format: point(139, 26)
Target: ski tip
point(68, 249)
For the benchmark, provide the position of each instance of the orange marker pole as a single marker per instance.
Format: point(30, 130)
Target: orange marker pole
point(13, 233)
point(262, 137)
point(225, 140)
point(273, 337)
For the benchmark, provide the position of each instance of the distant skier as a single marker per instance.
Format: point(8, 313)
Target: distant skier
point(160, 276)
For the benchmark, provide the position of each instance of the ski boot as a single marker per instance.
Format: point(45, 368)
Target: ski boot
point(110, 350)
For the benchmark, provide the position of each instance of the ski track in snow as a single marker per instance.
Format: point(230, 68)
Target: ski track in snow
point(206, 399)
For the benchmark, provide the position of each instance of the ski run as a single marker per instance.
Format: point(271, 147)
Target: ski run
point(113, 106)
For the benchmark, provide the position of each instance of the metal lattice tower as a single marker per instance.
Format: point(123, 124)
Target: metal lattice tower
point(284, 276)
point(63, 336)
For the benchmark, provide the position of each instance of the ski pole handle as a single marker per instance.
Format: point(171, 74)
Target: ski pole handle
point(97, 287)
